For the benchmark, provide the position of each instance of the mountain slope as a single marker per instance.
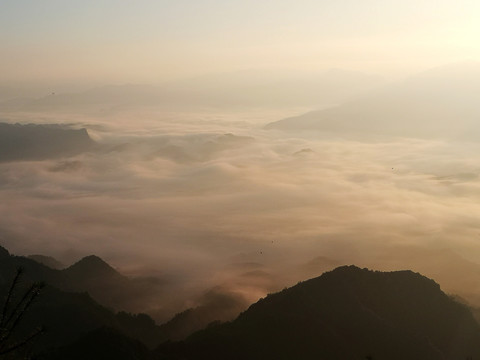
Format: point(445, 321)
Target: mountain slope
point(90, 274)
point(37, 142)
point(64, 306)
point(349, 313)
point(441, 103)
point(67, 316)
point(49, 261)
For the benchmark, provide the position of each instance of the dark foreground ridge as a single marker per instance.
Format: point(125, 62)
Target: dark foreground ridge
point(348, 313)
point(67, 311)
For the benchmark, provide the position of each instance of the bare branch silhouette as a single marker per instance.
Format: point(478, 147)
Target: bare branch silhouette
point(12, 314)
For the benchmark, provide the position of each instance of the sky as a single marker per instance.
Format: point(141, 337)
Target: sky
point(118, 41)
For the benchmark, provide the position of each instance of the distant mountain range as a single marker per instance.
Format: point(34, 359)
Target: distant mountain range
point(440, 103)
point(38, 142)
point(247, 88)
point(347, 313)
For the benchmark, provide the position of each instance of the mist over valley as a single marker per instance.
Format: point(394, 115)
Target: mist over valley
point(239, 180)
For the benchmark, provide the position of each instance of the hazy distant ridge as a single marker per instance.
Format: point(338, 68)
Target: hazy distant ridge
point(440, 103)
point(248, 88)
point(37, 142)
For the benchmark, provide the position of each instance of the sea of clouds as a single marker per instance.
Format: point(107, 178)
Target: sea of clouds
point(208, 200)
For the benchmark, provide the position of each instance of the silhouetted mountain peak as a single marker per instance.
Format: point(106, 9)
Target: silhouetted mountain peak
point(353, 272)
point(347, 313)
point(353, 286)
point(92, 265)
point(408, 277)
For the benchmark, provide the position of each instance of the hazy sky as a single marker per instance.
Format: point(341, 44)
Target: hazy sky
point(151, 40)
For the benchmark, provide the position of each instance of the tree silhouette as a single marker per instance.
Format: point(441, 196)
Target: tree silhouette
point(14, 309)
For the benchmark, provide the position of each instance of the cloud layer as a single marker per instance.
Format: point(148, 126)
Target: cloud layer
point(229, 205)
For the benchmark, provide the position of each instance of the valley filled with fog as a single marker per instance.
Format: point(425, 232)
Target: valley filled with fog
point(239, 180)
point(226, 201)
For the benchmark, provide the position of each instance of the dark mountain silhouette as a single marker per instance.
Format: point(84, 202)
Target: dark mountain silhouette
point(441, 103)
point(456, 274)
point(83, 284)
point(108, 287)
point(103, 282)
point(217, 305)
point(93, 275)
point(103, 343)
point(35, 270)
point(66, 316)
point(38, 142)
point(4, 253)
point(72, 317)
point(348, 313)
point(92, 266)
